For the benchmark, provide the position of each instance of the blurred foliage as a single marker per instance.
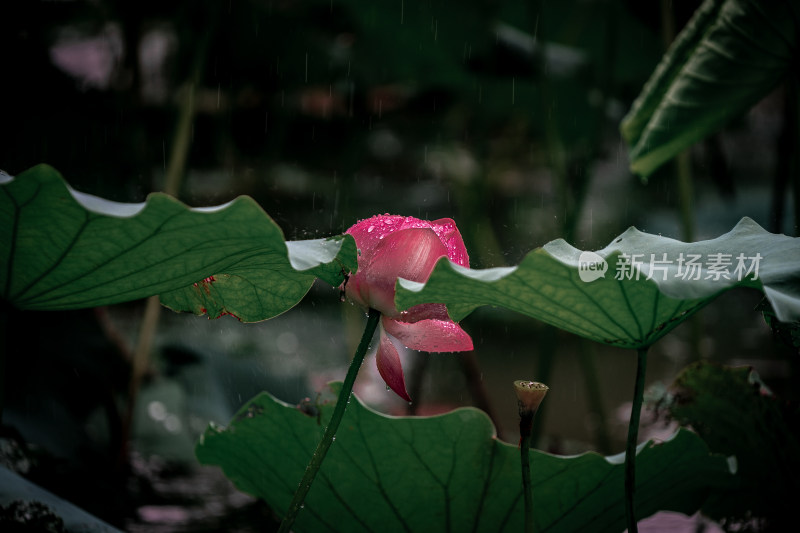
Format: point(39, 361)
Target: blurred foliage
point(787, 331)
point(324, 125)
point(737, 415)
point(730, 56)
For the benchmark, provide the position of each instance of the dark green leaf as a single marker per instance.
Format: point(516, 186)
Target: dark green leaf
point(62, 249)
point(736, 415)
point(633, 312)
point(788, 332)
point(731, 55)
point(443, 473)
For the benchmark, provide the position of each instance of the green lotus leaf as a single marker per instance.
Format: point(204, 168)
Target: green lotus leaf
point(63, 249)
point(727, 58)
point(650, 283)
point(443, 473)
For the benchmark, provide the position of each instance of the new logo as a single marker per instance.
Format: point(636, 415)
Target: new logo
point(591, 266)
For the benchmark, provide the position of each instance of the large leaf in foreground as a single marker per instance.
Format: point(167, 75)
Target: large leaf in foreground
point(62, 249)
point(729, 56)
point(444, 473)
point(647, 290)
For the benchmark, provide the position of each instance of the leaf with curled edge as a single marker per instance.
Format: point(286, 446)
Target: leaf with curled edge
point(63, 249)
point(444, 473)
point(631, 313)
point(728, 57)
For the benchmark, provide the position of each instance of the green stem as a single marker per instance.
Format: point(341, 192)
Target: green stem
point(139, 364)
point(686, 194)
point(594, 396)
point(5, 315)
point(477, 389)
point(548, 341)
point(525, 425)
point(330, 431)
point(793, 94)
point(179, 153)
point(633, 435)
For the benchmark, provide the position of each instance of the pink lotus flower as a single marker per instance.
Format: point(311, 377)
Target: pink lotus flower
point(392, 247)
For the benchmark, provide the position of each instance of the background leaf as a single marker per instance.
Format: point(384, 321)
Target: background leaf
point(443, 473)
point(727, 58)
point(630, 313)
point(732, 410)
point(63, 249)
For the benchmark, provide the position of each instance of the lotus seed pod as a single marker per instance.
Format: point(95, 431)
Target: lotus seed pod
point(529, 395)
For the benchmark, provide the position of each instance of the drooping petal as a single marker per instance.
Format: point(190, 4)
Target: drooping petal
point(389, 366)
point(448, 233)
point(410, 254)
point(424, 312)
point(429, 335)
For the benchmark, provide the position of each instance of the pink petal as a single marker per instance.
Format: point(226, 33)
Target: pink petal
point(369, 232)
point(384, 256)
point(409, 253)
point(389, 367)
point(356, 290)
point(448, 233)
point(430, 335)
point(423, 312)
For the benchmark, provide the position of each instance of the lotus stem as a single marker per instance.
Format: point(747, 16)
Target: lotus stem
point(529, 395)
point(330, 431)
point(633, 435)
point(174, 173)
point(4, 345)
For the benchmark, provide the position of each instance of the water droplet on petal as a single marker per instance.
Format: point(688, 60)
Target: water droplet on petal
point(369, 229)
